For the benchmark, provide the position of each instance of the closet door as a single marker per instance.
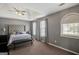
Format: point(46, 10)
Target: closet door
point(43, 30)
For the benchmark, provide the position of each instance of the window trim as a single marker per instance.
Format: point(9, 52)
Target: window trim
point(68, 35)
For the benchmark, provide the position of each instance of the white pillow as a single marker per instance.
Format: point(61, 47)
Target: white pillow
point(23, 32)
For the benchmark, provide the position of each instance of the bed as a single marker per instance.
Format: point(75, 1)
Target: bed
point(19, 38)
point(18, 35)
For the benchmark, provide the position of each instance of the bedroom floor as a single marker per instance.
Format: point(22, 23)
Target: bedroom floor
point(38, 48)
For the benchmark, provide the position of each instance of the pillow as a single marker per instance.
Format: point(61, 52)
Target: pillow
point(28, 32)
point(23, 32)
point(19, 33)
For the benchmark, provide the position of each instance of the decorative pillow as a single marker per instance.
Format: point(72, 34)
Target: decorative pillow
point(19, 33)
point(23, 32)
point(28, 32)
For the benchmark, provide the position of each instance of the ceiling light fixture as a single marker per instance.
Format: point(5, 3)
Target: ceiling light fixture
point(18, 13)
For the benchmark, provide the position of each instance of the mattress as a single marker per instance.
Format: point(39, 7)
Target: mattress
point(19, 37)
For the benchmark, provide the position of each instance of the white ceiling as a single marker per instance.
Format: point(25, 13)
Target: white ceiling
point(35, 10)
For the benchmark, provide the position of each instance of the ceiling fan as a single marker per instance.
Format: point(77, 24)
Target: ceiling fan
point(19, 12)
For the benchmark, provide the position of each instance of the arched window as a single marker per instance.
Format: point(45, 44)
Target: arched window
point(70, 25)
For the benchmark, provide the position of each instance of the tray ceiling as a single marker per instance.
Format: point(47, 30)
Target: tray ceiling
point(32, 10)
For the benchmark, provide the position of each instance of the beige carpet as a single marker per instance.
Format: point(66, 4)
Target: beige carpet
point(38, 48)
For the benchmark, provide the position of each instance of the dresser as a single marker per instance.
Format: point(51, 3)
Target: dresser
point(3, 44)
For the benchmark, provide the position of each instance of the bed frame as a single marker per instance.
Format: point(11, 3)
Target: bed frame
point(20, 42)
point(12, 28)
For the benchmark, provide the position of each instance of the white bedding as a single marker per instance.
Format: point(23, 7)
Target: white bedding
point(14, 37)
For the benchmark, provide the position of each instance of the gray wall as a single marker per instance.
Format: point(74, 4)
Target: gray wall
point(54, 30)
point(6, 21)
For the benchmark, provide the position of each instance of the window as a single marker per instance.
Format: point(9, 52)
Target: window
point(70, 25)
point(71, 29)
point(42, 28)
point(34, 28)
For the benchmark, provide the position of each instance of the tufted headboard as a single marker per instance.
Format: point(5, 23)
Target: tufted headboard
point(16, 28)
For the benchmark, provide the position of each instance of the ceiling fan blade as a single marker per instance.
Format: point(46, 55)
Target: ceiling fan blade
point(16, 9)
point(22, 14)
point(23, 11)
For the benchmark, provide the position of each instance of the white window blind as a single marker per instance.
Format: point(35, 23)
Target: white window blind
point(71, 29)
point(34, 28)
point(42, 28)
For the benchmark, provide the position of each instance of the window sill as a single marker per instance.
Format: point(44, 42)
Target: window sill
point(70, 36)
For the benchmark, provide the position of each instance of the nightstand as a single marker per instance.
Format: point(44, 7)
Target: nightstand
point(3, 44)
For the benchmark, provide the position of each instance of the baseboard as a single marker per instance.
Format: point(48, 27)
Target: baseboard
point(63, 48)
